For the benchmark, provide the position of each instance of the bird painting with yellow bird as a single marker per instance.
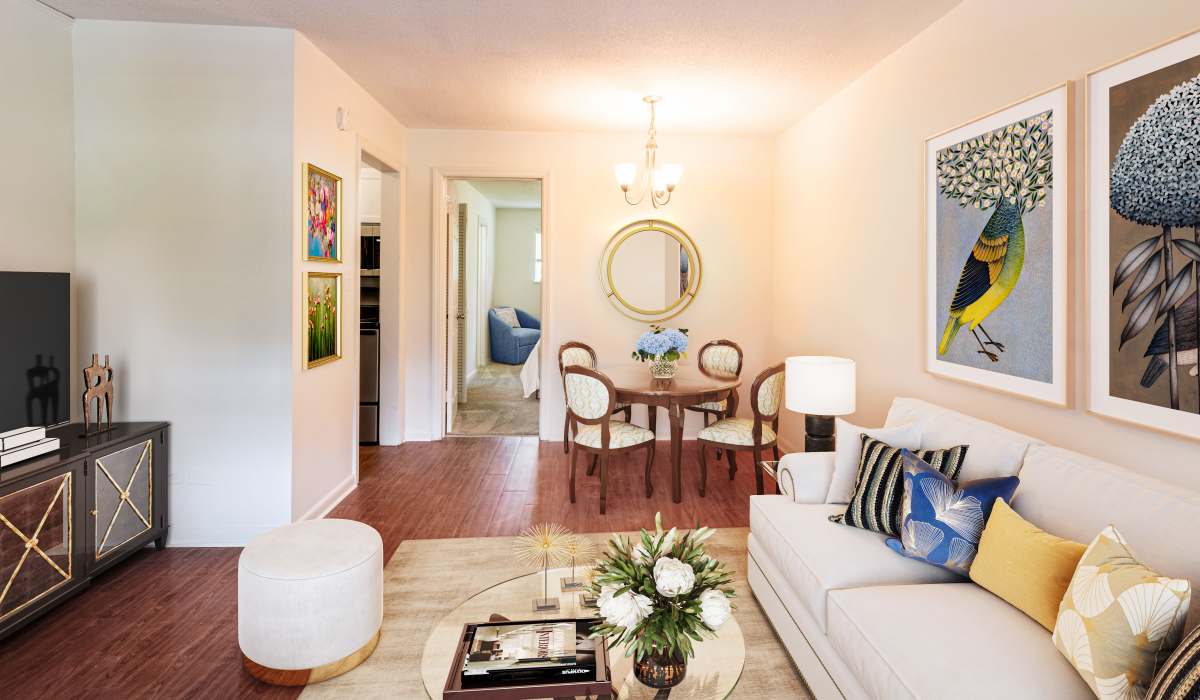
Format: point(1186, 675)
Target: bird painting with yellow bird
point(1008, 173)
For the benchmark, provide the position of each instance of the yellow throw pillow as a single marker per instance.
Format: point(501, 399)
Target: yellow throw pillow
point(1119, 620)
point(1026, 566)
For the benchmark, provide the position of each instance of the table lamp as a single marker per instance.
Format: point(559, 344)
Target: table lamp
point(820, 388)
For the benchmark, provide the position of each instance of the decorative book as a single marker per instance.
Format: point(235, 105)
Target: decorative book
point(20, 454)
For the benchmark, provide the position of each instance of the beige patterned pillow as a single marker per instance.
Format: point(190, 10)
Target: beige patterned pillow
point(1119, 620)
point(509, 315)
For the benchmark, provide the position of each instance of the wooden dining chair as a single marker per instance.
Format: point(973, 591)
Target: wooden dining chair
point(575, 354)
point(741, 434)
point(591, 401)
point(721, 359)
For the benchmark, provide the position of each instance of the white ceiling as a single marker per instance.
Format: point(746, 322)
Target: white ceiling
point(730, 66)
point(510, 194)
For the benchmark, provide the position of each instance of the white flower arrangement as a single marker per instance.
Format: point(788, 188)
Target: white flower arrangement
point(662, 594)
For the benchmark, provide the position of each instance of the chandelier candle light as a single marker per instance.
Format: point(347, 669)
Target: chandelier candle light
point(658, 182)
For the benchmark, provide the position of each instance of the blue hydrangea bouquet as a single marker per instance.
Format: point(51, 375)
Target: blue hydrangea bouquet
point(662, 348)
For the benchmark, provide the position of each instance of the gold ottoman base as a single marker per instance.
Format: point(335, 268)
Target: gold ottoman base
point(306, 676)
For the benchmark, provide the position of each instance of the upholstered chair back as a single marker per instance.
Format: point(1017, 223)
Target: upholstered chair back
point(721, 358)
point(590, 395)
point(576, 355)
point(768, 392)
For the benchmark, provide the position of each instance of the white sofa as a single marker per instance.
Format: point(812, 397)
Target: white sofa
point(861, 621)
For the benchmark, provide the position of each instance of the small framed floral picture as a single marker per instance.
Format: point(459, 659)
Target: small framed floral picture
point(322, 215)
point(322, 310)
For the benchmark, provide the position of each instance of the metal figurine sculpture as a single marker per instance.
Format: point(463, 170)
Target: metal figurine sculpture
point(98, 380)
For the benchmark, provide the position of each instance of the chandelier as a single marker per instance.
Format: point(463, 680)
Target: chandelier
point(658, 182)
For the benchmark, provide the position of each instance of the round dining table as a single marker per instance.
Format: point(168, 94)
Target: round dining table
point(690, 386)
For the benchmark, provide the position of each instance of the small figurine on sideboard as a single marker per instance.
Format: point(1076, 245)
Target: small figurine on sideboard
point(99, 393)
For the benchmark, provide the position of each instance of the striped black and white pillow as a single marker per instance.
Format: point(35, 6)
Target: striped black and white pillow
point(1179, 677)
point(879, 488)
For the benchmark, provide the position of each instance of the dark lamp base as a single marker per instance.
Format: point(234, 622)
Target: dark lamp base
point(818, 433)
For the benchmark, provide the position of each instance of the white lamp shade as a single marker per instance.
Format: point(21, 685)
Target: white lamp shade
point(625, 172)
point(820, 386)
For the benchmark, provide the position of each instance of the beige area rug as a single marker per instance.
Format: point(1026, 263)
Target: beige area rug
point(428, 578)
point(494, 405)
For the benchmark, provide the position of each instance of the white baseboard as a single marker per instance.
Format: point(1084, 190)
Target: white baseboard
point(418, 437)
point(322, 507)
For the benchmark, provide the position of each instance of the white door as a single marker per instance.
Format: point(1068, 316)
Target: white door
point(453, 311)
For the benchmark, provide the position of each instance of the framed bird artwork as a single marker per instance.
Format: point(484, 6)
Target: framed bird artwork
point(1143, 256)
point(997, 213)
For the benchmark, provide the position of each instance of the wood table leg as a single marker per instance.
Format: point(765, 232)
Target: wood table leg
point(676, 413)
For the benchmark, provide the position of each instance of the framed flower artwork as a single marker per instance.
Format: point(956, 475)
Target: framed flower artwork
point(322, 215)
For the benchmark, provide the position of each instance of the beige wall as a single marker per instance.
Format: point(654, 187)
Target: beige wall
point(723, 201)
point(325, 398)
point(185, 255)
point(515, 229)
point(846, 277)
point(38, 142)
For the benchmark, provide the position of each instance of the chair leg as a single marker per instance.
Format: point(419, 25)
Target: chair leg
point(592, 466)
point(775, 451)
point(628, 410)
point(574, 459)
point(603, 480)
point(703, 468)
point(758, 473)
point(649, 465)
point(731, 457)
point(567, 434)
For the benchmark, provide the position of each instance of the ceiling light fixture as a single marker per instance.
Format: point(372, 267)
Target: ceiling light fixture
point(658, 182)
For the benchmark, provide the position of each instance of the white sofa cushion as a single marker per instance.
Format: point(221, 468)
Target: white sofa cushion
point(818, 556)
point(1076, 496)
point(948, 641)
point(994, 451)
point(848, 453)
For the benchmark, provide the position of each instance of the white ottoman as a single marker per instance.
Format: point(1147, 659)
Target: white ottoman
point(310, 600)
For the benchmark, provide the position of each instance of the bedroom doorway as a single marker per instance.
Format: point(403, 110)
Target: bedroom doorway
point(494, 306)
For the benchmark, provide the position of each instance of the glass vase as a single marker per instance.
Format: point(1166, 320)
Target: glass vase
point(661, 669)
point(663, 369)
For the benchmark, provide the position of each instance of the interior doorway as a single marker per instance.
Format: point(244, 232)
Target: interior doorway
point(494, 306)
point(380, 248)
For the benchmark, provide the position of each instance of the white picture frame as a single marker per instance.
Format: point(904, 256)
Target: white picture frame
point(1099, 263)
point(1055, 390)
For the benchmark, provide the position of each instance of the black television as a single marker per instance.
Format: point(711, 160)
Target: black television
point(35, 349)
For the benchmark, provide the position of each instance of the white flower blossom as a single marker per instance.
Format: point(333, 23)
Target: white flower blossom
point(625, 610)
point(714, 608)
point(672, 577)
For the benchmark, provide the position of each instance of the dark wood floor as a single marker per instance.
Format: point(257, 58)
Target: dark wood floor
point(164, 623)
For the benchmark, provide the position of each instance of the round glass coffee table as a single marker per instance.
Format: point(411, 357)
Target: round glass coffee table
point(712, 673)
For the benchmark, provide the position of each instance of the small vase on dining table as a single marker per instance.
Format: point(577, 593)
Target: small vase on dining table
point(662, 368)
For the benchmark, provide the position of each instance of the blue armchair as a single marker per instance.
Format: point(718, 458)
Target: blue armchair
point(513, 345)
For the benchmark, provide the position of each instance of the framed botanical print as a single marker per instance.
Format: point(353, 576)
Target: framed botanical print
point(996, 217)
point(1143, 256)
point(323, 314)
point(322, 215)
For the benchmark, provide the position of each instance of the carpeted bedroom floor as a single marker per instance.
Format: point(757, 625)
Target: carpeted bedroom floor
point(494, 404)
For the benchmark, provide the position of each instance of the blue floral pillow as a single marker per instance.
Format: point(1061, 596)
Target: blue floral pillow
point(941, 520)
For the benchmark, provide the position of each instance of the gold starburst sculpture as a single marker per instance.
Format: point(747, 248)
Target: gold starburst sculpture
point(542, 546)
point(580, 549)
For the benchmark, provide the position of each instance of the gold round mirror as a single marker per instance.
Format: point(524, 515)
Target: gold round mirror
point(650, 270)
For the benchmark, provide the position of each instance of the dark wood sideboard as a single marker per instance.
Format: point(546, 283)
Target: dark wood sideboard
point(69, 515)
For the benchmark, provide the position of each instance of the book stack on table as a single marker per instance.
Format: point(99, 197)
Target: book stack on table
point(25, 443)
